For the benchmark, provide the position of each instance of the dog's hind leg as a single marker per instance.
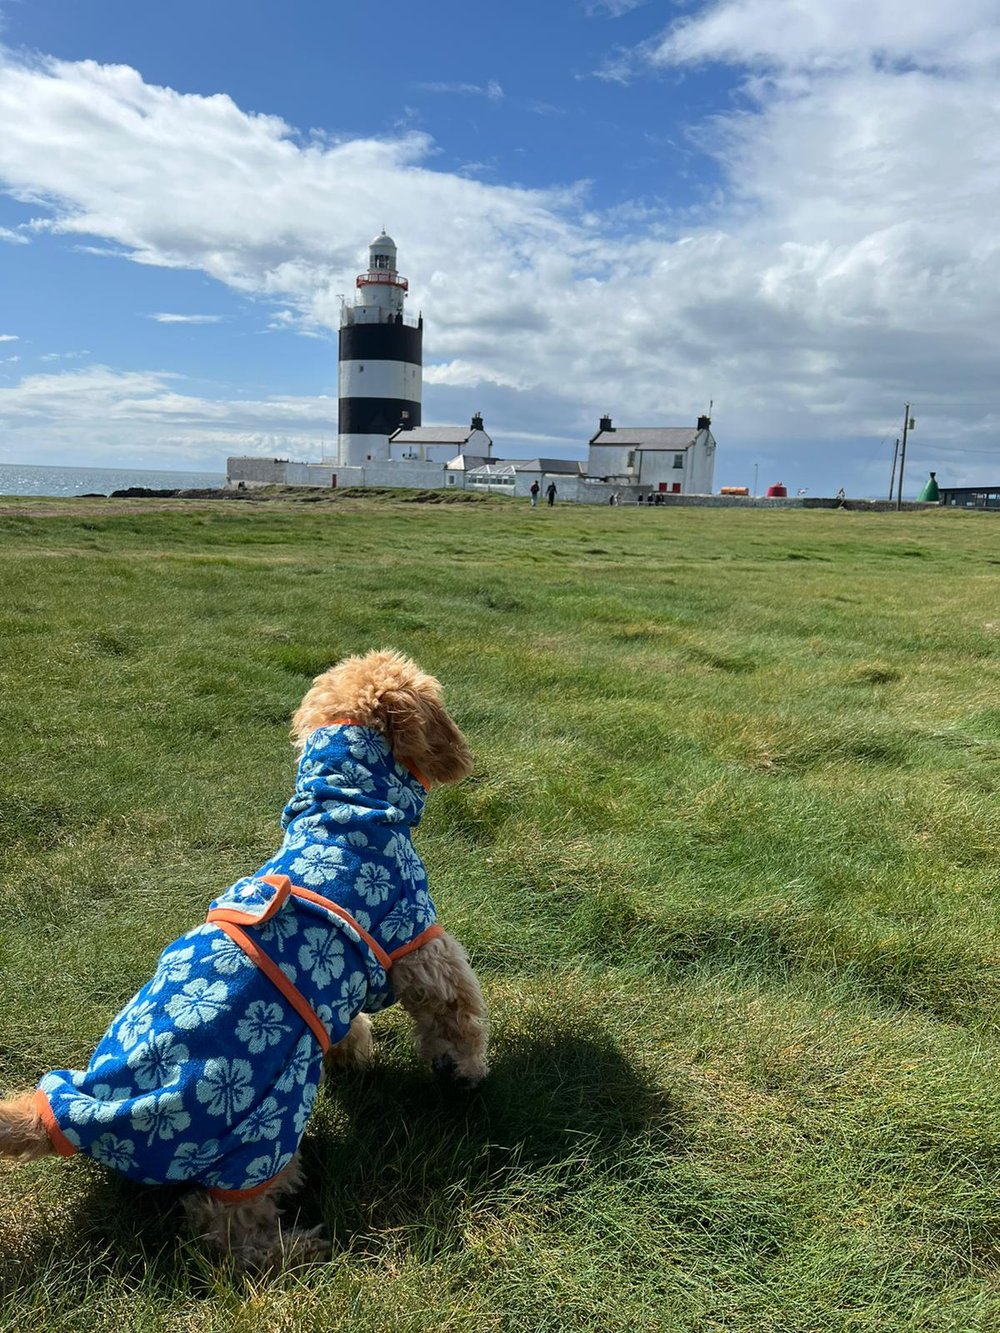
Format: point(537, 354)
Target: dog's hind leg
point(439, 990)
point(355, 1048)
point(251, 1232)
point(22, 1132)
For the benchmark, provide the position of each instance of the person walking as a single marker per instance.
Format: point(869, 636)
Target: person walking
point(534, 489)
point(550, 493)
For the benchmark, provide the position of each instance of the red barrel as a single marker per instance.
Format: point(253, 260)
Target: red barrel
point(777, 492)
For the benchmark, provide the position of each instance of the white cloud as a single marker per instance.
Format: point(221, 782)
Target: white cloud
point(13, 237)
point(848, 263)
point(8, 337)
point(613, 8)
point(165, 318)
point(803, 33)
point(466, 374)
point(491, 89)
point(147, 420)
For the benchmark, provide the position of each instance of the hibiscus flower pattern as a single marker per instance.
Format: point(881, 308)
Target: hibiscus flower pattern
point(302, 1115)
point(192, 1159)
point(358, 778)
point(322, 955)
point(264, 1122)
point(161, 1117)
point(135, 1022)
point(374, 883)
point(317, 863)
point(408, 863)
point(297, 1067)
point(227, 956)
point(226, 1087)
point(400, 792)
point(175, 965)
point(353, 992)
point(198, 1002)
point(118, 1153)
point(366, 745)
point(267, 1167)
point(101, 1108)
point(261, 1026)
point(158, 1061)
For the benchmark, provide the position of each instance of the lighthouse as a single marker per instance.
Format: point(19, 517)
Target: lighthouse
point(381, 357)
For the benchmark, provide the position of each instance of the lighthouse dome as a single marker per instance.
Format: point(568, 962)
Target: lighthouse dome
point(383, 241)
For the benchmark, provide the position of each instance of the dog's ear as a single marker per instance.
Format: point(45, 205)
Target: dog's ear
point(420, 732)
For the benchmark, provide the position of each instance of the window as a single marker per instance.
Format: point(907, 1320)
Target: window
point(678, 460)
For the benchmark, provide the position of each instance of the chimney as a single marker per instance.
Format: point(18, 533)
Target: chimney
point(477, 421)
point(606, 424)
point(704, 423)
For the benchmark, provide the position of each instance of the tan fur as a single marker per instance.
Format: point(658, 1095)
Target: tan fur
point(355, 1049)
point(439, 990)
point(251, 1233)
point(435, 984)
point(22, 1133)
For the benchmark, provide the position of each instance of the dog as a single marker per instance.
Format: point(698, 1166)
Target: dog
point(208, 1076)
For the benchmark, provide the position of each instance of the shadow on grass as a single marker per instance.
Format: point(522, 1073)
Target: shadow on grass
point(393, 1160)
point(419, 1164)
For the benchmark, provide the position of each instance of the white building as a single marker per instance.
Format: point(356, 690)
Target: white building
point(679, 460)
point(442, 444)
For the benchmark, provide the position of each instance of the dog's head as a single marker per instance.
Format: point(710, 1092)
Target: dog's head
point(389, 692)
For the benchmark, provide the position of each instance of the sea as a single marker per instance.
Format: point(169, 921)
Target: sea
point(29, 479)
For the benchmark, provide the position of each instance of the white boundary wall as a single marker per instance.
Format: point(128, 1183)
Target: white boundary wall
point(252, 471)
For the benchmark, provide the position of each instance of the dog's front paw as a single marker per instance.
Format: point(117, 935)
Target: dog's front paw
point(288, 1249)
point(465, 1073)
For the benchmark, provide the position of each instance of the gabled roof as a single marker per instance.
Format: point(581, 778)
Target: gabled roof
point(465, 462)
point(433, 434)
point(652, 437)
point(492, 467)
point(567, 466)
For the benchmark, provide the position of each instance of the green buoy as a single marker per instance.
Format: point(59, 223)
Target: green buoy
point(930, 493)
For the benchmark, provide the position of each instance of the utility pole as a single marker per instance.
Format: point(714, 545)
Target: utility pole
point(892, 474)
point(755, 467)
point(908, 425)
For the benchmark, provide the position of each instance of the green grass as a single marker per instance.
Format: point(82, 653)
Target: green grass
point(727, 868)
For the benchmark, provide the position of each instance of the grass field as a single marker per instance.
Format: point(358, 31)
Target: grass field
point(727, 869)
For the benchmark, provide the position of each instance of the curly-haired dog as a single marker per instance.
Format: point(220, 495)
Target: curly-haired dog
point(209, 1074)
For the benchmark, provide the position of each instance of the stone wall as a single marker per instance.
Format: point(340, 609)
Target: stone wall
point(251, 471)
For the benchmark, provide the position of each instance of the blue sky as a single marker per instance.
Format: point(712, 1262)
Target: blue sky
point(624, 206)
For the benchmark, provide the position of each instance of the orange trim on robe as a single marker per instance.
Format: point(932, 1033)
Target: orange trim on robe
point(312, 897)
point(241, 1196)
point(57, 1138)
point(275, 975)
point(431, 933)
point(237, 918)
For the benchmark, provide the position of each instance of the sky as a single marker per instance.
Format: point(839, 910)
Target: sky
point(779, 211)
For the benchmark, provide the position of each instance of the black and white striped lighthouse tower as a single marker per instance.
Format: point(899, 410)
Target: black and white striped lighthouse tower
point(381, 359)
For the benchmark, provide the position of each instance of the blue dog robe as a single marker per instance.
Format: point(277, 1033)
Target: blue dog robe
point(210, 1073)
